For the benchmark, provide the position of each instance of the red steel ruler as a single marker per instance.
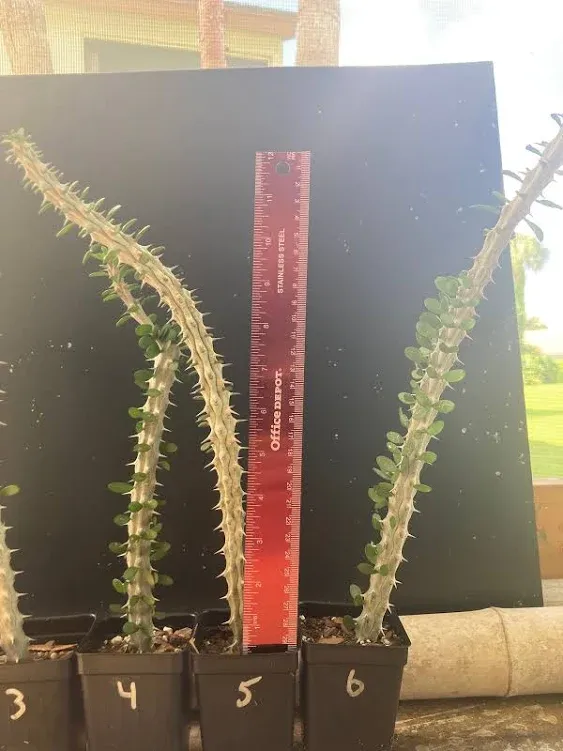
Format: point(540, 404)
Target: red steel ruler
point(277, 365)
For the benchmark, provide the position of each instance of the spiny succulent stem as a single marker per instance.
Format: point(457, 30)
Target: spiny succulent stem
point(465, 295)
point(218, 414)
point(13, 640)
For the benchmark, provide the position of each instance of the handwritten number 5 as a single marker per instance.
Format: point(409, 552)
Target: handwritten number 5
point(244, 688)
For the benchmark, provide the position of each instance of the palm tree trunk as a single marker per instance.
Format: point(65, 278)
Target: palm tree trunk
point(24, 29)
point(318, 32)
point(211, 20)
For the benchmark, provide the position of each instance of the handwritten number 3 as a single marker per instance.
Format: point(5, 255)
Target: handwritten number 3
point(244, 688)
point(18, 701)
point(354, 687)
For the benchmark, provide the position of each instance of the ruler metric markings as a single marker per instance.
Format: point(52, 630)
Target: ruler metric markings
point(277, 365)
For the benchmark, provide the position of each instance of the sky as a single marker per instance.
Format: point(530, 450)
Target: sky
point(524, 39)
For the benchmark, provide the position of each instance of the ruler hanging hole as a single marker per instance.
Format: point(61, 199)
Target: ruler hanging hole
point(283, 168)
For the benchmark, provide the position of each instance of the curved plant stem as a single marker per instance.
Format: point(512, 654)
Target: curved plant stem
point(13, 640)
point(394, 527)
point(217, 413)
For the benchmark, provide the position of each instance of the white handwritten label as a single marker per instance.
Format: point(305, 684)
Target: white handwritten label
point(131, 694)
point(244, 688)
point(18, 701)
point(354, 687)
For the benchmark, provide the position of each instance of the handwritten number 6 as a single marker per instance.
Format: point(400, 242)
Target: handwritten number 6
point(18, 701)
point(244, 688)
point(354, 687)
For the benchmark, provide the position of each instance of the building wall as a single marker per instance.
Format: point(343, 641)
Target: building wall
point(68, 28)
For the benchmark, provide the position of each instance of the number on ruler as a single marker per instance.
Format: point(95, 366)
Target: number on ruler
point(354, 687)
point(244, 688)
point(131, 694)
point(18, 701)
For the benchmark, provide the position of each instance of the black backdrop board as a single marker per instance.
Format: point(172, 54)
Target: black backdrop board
point(399, 154)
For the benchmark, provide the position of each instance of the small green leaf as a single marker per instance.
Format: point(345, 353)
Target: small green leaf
point(122, 520)
point(445, 406)
point(533, 149)
point(433, 305)
point(142, 448)
point(376, 522)
point(119, 586)
point(454, 376)
point(428, 457)
point(432, 320)
point(145, 341)
point(467, 325)
point(143, 375)
point(365, 568)
point(140, 476)
point(145, 329)
point(154, 392)
point(123, 320)
point(483, 207)
point(436, 428)
point(406, 398)
point(163, 464)
point(135, 412)
point(395, 438)
point(403, 419)
point(355, 591)
point(386, 465)
point(447, 319)
point(349, 623)
point(448, 350)
point(152, 504)
point(117, 547)
point(423, 399)
point(159, 552)
point(134, 507)
point(130, 573)
point(448, 285)
point(95, 274)
point(116, 609)
point(513, 175)
point(152, 351)
point(538, 232)
point(65, 229)
point(9, 490)
point(425, 330)
point(383, 570)
point(413, 353)
point(130, 628)
point(548, 203)
point(423, 488)
point(166, 581)
point(370, 552)
point(123, 488)
point(392, 522)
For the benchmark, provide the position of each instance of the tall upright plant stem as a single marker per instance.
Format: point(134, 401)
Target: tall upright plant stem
point(455, 317)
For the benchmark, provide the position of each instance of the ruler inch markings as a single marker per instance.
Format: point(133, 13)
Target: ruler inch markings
point(277, 363)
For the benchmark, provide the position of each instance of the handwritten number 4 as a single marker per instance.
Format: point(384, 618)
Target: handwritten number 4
point(354, 686)
point(131, 694)
point(244, 688)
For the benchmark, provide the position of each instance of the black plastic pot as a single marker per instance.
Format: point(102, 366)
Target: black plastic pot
point(131, 700)
point(245, 701)
point(350, 694)
point(39, 699)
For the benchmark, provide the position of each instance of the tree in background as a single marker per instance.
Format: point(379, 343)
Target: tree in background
point(24, 30)
point(528, 254)
point(318, 32)
point(211, 23)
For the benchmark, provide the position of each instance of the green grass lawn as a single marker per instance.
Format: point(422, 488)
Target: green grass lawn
point(544, 407)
